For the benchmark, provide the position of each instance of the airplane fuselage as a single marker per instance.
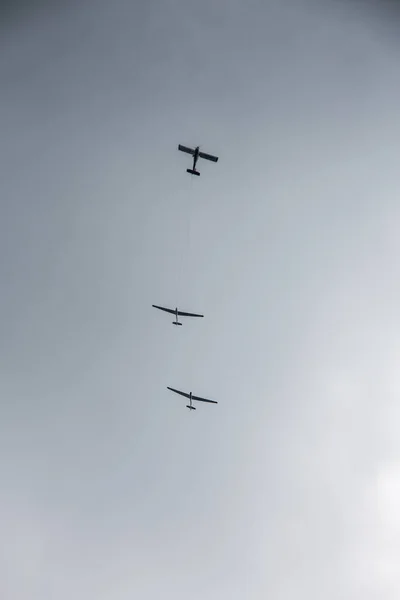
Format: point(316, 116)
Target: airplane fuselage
point(195, 156)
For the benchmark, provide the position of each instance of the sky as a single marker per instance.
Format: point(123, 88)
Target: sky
point(289, 487)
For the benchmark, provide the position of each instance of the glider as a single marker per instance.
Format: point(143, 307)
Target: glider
point(191, 397)
point(196, 155)
point(177, 313)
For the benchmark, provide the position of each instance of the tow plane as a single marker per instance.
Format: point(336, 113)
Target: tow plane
point(177, 313)
point(191, 398)
point(195, 152)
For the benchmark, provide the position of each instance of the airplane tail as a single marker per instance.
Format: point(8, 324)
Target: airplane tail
point(190, 407)
point(176, 323)
point(192, 171)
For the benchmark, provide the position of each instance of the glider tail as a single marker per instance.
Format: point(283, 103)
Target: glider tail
point(190, 407)
point(176, 323)
point(192, 171)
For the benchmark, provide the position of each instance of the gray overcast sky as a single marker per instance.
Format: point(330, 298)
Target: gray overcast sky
point(290, 486)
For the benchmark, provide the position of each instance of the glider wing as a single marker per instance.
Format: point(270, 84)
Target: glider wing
point(168, 310)
point(203, 400)
point(186, 314)
point(179, 392)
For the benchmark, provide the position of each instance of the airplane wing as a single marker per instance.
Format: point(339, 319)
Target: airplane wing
point(178, 392)
point(203, 399)
point(208, 156)
point(186, 314)
point(168, 310)
point(185, 149)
